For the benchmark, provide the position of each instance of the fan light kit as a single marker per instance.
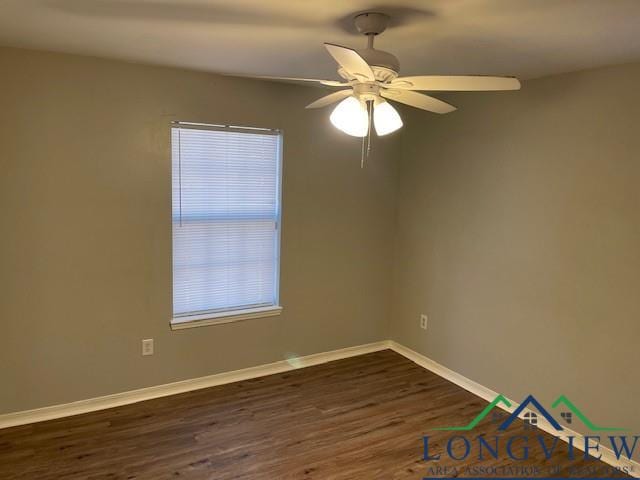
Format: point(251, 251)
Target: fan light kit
point(371, 78)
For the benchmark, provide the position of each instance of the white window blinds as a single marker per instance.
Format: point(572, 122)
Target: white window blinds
point(226, 218)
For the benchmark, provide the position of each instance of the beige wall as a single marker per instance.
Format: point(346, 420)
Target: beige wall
point(519, 235)
point(86, 244)
point(516, 230)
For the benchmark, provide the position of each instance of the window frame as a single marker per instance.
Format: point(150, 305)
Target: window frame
point(222, 316)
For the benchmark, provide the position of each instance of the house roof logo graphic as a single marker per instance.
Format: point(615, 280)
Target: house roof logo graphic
point(530, 400)
point(563, 400)
point(526, 407)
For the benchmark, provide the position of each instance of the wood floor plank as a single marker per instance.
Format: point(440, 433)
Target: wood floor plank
point(358, 418)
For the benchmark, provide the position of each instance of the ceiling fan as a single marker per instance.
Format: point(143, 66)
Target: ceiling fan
point(371, 78)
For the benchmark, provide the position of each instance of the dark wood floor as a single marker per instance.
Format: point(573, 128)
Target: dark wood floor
point(359, 418)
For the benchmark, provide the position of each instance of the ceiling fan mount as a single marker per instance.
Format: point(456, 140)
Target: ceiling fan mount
point(371, 23)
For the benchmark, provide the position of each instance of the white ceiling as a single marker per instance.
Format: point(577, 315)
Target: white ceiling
point(527, 38)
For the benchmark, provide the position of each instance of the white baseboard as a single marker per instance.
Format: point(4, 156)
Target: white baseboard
point(134, 396)
point(608, 456)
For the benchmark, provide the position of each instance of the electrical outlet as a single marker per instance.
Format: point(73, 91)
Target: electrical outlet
point(423, 321)
point(147, 346)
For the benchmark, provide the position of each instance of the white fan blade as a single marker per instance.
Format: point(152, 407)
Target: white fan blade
point(329, 83)
point(334, 83)
point(351, 61)
point(418, 100)
point(456, 83)
point(331, 98)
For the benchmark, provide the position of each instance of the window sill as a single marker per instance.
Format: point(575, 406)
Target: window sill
point(203, 320)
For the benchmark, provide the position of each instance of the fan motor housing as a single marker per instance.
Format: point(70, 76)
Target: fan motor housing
point(388, 64)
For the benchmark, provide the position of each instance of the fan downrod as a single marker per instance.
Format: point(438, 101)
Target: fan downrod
point(384, 64)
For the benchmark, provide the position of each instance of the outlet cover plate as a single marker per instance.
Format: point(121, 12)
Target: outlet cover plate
point(147, 346)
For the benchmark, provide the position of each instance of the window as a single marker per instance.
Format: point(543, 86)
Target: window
point(226, 223)
point(530, 420)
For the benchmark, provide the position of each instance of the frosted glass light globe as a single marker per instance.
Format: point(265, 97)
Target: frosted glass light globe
point(351, 117)
point(386, 118)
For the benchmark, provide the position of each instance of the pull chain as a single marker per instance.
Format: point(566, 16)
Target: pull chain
point(367, 139)
point(370, 113)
